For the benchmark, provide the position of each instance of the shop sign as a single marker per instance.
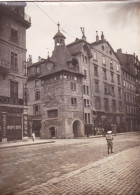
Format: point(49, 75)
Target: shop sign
point(25, 125)
point(9, 100)
point(4, 124)
point(11, 109)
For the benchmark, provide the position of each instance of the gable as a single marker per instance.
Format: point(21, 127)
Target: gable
point(105, 49)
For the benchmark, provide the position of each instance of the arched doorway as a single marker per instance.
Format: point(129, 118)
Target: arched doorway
point(77, 128)
point(36, 126)
point(53, 132)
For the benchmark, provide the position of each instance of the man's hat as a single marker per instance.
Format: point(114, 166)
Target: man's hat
point(109, 132)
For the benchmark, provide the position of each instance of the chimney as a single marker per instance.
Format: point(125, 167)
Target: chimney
point(119, 51)
point(97, 37)
point(102, 36)
point(39, 58)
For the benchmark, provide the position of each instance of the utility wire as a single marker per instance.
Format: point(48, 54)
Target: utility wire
point(53, 20)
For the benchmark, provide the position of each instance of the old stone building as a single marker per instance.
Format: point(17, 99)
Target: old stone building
point(13, 71)
point(76, 89)
point(55, 93)
point(130, 88)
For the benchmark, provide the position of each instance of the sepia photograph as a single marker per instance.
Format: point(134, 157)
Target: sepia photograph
point(70, 97)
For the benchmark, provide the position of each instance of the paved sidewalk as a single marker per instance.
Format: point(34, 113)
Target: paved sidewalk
point(117, 174)
point(25, 143)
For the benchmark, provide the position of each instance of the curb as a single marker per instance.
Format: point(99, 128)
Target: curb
point(27, 144)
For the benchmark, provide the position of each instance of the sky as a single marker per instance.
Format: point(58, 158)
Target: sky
point(119, 20)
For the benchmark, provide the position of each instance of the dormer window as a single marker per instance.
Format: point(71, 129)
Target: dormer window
point(37, 69)
point(103, 47)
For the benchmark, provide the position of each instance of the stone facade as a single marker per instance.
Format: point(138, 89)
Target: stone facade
point(13, 71)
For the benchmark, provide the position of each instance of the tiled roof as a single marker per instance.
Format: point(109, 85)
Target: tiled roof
point(61, 56)
point(59, 34)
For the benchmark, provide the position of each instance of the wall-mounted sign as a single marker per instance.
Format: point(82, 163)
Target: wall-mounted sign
point(9, 100)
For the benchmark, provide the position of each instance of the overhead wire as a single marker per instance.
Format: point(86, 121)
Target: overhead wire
point(53, 20)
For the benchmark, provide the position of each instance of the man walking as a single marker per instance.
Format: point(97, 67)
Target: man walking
point(109, 139)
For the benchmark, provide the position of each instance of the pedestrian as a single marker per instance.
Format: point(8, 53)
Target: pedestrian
point(33, 136)
point(109, 139)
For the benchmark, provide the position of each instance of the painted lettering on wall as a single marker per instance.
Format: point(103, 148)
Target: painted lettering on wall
point(9, 100)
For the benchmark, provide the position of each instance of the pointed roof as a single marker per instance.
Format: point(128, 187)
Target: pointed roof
point(58, 34)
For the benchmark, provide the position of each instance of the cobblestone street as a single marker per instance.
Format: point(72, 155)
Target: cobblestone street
point(74, 166)
point(115, 175)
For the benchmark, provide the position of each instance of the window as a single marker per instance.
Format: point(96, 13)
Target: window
point(120, 106)
point(105, 90)
point(111, 64)
point(112, 77)
point(14, 35)
point(36, 109)
point(113, 105)
point(86, 90)
point(14, 61)
point(86, 103)
point(96, 70)
point(104, 61)
point(13, 89)
point(98, 103)
point(36, 83)
point(118, 68)
point(119, 92)
point(42, 82)
point(24, 69)
point(52, 113)
point(73, 101)
point(113, 91)
point(97, 86)
point(104, 74)
point(85, 73)
point(103, 47)
point(83, 58)
point(86, 59)
point(37, 69)
point(73, 86)
point(106, 105)
point(87, 118)
point(118, 78)
point(37, 95)
point(94, 55)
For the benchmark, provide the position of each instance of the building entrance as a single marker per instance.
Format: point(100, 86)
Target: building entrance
point(36, 127)
point(52, 132)
point(77, 128)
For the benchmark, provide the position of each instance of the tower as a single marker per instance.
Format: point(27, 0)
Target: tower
point(59, 38)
